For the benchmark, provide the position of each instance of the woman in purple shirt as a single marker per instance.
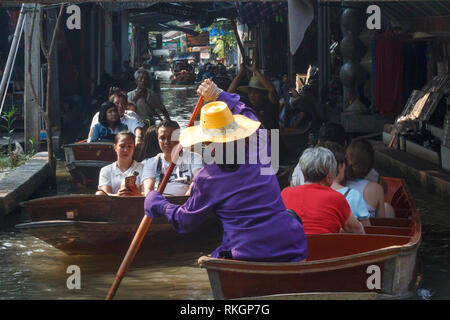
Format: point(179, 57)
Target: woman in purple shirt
point(243, 196)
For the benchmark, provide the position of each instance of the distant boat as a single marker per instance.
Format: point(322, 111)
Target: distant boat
point(84, 160)
point(382, 264)
point(183, 78)
point(90, 224)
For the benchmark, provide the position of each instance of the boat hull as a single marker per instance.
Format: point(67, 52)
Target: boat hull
point(84, 160)
point(89, 224)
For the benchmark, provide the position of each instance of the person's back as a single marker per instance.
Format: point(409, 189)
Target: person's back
point(360, 159)
point(322, 209)
point(270, 233)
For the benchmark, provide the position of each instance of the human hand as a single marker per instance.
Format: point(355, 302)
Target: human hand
point(252, 67)
point(131, 190)
point(154, 204)
point(209, 90)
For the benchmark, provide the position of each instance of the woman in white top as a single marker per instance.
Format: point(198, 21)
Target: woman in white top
point(154, 168)
point(112, 177)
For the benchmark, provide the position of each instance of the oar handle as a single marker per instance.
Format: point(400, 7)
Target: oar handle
point(145, 223)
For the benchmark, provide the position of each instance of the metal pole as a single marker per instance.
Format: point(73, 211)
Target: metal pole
point(12, 56)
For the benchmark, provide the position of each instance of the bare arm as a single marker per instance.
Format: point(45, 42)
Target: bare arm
point(149, 185)
point(235, 83)
point(271, 92)
point(352, 225)
point(106, 189)
point(374, 196)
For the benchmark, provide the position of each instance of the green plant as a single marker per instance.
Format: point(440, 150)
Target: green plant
point(9, 117)
point(32, 144)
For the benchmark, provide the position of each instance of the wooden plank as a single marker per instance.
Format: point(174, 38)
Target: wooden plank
point(32, 117)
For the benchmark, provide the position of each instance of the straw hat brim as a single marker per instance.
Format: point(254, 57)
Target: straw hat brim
point(245, 128)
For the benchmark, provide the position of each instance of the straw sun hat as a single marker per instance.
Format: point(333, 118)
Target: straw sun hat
point(218, 124)
point(253, 83)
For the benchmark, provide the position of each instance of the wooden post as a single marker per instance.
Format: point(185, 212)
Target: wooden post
point(124, 39)
point(52, 16)
point(108, 42)
point(92, 36)
point(32, 118)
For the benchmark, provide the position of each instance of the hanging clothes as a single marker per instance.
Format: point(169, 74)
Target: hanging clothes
point(389, 74)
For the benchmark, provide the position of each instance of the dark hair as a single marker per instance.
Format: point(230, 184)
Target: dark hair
point(168, 123)
point(123, 133)
point(337, 149)
point(102, 113)
point(333, 132)
point(150, 145)
point(359, 158)
point(117, 92)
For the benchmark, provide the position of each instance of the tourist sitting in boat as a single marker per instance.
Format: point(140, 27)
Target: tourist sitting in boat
point(322, 209)
point(109, 124)
point(359, 159)
point(112, 178)
point(244, 197)
point(127, 117)
point(147, 102)
point(187, 165)
point(262, 96)
point(354, 198)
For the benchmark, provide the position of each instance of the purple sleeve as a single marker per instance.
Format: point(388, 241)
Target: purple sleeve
point(183, 218)
point(236, 106)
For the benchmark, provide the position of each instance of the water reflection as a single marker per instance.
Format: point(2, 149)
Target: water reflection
point(179, 101)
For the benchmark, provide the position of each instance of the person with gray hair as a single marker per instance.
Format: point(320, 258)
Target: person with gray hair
point(322, 209)
point(147, 102)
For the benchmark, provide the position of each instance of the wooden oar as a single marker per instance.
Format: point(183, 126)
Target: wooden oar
point(145, 223)
point(239, 42)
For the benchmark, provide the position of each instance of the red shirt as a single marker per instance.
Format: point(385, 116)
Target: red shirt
point(322, 209)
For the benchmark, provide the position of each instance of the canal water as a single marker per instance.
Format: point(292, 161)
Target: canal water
point(32, 269)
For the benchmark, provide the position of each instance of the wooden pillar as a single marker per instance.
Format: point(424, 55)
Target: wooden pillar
point(52, 16)
point(92, 46)
point(99, 46)
point(32, 118)
point(108, 42)
point(125, 45)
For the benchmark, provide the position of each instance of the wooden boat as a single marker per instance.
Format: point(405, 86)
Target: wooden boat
point(84, 160)
point(183, 78)
point(87, 224)
point(380, 264)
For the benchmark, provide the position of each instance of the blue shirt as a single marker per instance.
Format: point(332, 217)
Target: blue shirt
point(100, 132)
point(357, 203)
